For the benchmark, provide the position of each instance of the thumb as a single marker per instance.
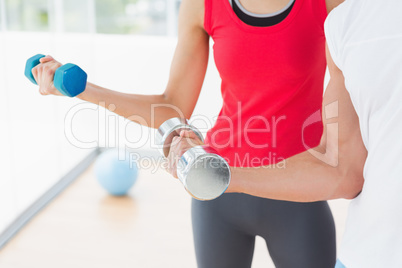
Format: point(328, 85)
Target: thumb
point(191, 137)
point(188, 134)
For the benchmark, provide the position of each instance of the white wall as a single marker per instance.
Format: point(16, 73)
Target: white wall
point(7, 184)
point(32, 158)
point(35, 150)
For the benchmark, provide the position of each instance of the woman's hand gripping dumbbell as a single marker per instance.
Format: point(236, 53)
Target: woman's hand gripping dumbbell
point(203, 173)
point(69, 79)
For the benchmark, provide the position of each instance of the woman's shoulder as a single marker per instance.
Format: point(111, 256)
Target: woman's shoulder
point(192, 11)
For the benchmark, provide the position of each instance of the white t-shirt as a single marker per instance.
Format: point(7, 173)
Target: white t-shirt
point(365, 42)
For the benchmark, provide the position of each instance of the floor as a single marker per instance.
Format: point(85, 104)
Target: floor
point(85, 227)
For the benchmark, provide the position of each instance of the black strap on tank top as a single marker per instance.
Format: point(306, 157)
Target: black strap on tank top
point(261, 21)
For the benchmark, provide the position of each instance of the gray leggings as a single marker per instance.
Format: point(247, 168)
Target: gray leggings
point(298, 235)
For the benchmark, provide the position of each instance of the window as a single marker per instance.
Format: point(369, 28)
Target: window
point(27, 15)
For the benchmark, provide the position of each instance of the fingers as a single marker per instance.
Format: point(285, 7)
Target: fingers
point(44, 73)
point(173, 156)
point(192, 138)
point(179, 145)
point(46, 85)
point(188, 134)
point(46, 59)
point(35, 73)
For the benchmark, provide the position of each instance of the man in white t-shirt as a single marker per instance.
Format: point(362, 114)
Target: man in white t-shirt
point(362, 141)
point(364, 38)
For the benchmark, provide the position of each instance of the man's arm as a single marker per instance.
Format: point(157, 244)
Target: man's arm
point(338, 173)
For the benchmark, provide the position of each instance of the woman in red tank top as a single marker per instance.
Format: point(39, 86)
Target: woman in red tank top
point(271, 58)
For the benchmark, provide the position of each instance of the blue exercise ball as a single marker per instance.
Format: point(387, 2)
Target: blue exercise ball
point(116, 174)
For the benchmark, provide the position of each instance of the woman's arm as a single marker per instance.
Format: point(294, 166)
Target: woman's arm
point(185, 81)
point(332, 170)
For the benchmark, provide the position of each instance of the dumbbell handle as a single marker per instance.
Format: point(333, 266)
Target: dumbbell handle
point(203, 173)
point(69, 79)
point(171, 128)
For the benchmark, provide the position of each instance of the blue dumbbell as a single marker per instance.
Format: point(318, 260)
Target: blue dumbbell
point(69, 79)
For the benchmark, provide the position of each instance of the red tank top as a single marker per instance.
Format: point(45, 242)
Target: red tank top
point(272, 83)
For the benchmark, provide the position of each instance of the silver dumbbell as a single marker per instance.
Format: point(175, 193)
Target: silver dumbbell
point(204, 174)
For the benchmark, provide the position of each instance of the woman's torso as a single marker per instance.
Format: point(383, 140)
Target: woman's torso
point(272, 82)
